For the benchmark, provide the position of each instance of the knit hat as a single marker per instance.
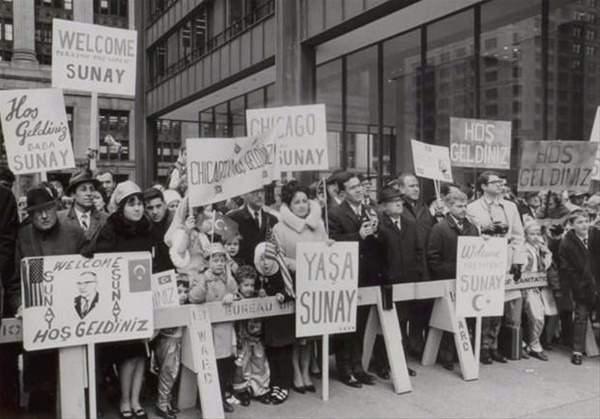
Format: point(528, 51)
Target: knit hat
point(259, 256)
point(125, 190)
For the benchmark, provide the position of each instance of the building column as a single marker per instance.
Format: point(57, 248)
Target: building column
point(83, 11)
point(295, 63)
point(24, 35)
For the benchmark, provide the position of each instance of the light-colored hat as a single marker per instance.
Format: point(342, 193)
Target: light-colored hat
point(171, 195)
point(124, 190)
point(259, 254)
point(217, 249)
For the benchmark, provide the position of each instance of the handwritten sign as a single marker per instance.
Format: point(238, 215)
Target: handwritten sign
point(557, 165)
point(36, 133)
point(164, 290)
point(301, 135)
point(480, 143)
point(93, 58)
point(480, 276)
point(431, 161)
point(528, 280)
point(221, 168)
point(11, 331)
point(69, 300)
point(326, 288)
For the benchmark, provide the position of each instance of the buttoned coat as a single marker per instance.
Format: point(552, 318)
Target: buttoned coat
point(97, 221)
point(575, 268)
point(251, 234)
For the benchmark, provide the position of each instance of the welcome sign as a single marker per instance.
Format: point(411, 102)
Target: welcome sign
point(480, 143)
point(36, 134)
point(93, 58)
point(326, 288)
point(70, 300)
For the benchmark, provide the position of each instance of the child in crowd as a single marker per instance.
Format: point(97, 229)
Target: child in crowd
point(252, 374)
point(279, 330)
point(215, 284)
point(167, 349)
point(575, 268)
point(232, 247)
point(536, 301)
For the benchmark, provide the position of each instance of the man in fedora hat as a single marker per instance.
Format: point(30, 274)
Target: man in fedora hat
point(83, 214)
point(44, 235)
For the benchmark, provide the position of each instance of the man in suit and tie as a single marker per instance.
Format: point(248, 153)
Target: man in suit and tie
point(88, 297)
point(253, 223)
point(402, 261)
point(83, 213)
point(416, 211)
point(352, 221)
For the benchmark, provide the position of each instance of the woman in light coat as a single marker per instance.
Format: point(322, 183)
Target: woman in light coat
point(300, 221)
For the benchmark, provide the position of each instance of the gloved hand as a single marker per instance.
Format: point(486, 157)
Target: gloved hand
point(515, 271)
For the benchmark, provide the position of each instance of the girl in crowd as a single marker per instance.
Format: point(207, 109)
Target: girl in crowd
point(300, 221)
point(127, 230)
point(215, 284)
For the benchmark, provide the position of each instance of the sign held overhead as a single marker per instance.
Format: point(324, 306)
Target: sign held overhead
point(93, 58)
point(480, 143)
point(431, 161)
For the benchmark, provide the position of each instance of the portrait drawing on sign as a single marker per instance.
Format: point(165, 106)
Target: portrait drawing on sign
point(87, 299)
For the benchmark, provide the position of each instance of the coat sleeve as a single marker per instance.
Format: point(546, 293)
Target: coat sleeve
point(435, 254)
point(517, 238)
point(337, 231)
point(570, 273)
point(197, 293)
point(12, 287)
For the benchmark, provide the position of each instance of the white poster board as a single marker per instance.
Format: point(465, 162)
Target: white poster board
point(595, 137)
point(431, 161)
point(301, 135)
point(221, 168)
point(326, 288)
point(70, 300)
point(480, 143)
point(164, 290)
point(480, 276)
point(93, 58)
point(35, 129)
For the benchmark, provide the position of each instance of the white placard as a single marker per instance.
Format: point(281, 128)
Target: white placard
point(36, 133)
point(70, 300)
point(480, 276)
point(595, 137)
point(480, 143)
point(431, 161)
point(221, 168)
point(93, 58)
point(164, 290)
point(326, 288)
point(301, 135)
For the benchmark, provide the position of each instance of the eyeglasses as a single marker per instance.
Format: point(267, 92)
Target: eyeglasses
point(497, 182)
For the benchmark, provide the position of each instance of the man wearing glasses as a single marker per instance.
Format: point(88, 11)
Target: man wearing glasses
point(495, 216)
point(88, 297)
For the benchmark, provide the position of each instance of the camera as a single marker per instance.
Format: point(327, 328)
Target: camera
point(497, 229)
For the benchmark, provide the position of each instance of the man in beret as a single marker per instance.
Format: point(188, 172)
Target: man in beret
point(83, 214)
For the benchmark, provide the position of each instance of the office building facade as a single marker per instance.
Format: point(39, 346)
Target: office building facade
point(388, 71)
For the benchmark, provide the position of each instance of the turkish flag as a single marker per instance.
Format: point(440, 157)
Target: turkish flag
point(140, 272)
point(225, 226)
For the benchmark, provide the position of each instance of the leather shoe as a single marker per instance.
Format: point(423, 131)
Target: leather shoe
point(524, 354)
point(165, 414)
point(498, 357)
point(539, 355)
point(365, 378)
point(227, 407)
point(485, 358)
point(310, 388)
point(577, 359)
point(448, 365)
point(383, 373)
point(351, 381)
point(299, 389)
point(412, 372)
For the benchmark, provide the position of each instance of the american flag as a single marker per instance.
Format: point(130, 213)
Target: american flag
point(285, 273)
point(32, 276)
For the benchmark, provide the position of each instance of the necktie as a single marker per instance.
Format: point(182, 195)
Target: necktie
point(397, 223)
point(84, 221)
point(585, 242)
point(84, 306)
point(257, 218)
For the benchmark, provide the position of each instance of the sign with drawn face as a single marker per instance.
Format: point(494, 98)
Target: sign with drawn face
point(431, 161)
point(70, 300)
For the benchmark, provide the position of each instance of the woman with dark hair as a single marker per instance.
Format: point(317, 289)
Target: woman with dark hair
point(300, 221)
point(128, 230)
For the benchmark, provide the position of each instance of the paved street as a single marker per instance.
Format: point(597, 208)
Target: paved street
point(520, 389)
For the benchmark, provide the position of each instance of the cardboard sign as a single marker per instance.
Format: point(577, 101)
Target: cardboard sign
point(528, 280)
point(431, 161)
point(595, 137)
point(326, 288)
point(480, 143)
point(221, 168)
point(36, 133)
point(480, 276)
point(69, 300)
point(11, 331)
point(164, 290)
point(556, 165)
point(301, 135)
point(93, 58)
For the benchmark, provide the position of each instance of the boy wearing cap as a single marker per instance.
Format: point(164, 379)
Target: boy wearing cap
point(215, 284)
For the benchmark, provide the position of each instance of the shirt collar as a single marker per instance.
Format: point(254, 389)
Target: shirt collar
point(356, 208)
point(252, 212)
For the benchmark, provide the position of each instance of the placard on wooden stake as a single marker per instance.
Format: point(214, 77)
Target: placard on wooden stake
point(443, 319)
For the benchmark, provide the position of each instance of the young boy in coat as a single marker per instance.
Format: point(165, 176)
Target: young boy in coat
point(576, 269)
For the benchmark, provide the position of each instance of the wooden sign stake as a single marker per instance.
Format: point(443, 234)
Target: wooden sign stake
point(325, 368)
point(91, 379)
point(94, 130)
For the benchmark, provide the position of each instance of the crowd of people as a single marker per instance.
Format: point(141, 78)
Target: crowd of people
point(251, 253)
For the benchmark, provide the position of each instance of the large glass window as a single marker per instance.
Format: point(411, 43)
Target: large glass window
point(329, 92)
point(116, 124)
